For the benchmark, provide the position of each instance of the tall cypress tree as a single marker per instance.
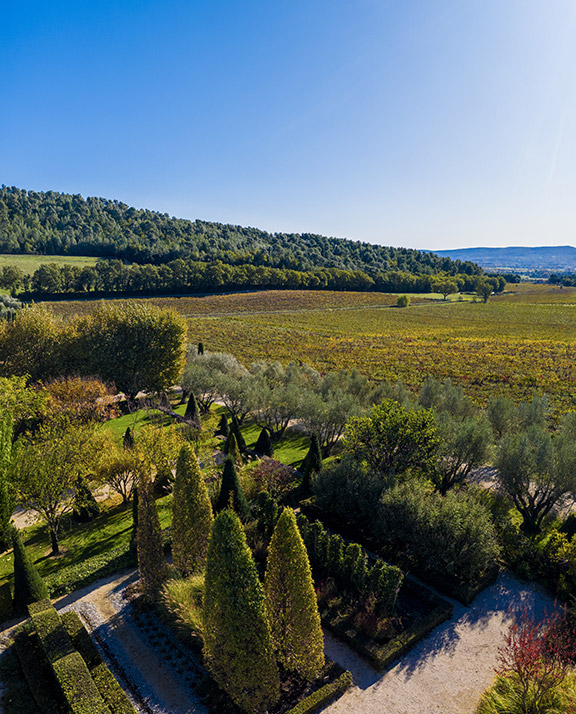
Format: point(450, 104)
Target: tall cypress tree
point(222, 426)
point(128, 439)
point(134, 536)
point(291, 601)
point(28, 584)
point(192, 517)
point(264, 444)
point(312, 462)
point(237, 643)
point(235, 428)
point(192, 413)
point(231, 492)
point(152, 566)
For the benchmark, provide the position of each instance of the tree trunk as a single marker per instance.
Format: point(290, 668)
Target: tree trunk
point(54, 541)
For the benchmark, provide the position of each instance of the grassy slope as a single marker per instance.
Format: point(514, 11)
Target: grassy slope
point(30, 263)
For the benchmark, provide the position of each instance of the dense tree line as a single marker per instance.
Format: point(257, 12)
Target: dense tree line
point(54, 223)
point(180, 276)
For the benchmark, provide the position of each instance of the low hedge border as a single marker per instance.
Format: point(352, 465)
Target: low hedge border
point(54, 639)
point(383, 655)
point(77, 686)
point(323, 696)
point(110, 691)
point(37, 672)
point(15, 694)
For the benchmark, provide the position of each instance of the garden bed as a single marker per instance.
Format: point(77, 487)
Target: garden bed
point(419, 611)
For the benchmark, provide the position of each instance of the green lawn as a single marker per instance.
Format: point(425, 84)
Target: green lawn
point(31, 263)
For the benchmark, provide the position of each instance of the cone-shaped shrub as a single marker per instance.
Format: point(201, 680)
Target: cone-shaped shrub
point(192, 413)
point(85, 508)
point(237, 642)
point(335, 554)
point(152, 567)
point(200, 348)
point(222, 426)
point(231, 448)
point(312, 462)
point(192, 517)
point(231, 494)
point(235, 427)
point(128, 440)
point(28, 584)
point(291, 601)
point(264, 444)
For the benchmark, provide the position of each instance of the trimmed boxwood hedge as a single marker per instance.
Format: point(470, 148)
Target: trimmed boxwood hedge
point(106, 683)
point(54, 639)
point(77, 685)
point(37, 672)
point(323, 696)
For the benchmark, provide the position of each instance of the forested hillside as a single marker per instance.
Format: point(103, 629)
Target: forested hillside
point(55, 223)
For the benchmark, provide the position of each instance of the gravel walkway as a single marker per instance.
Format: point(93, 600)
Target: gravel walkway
point(448, 670)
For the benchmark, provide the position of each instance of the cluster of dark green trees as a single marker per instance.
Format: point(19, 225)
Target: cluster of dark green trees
point(55, 223)
point(249, 626)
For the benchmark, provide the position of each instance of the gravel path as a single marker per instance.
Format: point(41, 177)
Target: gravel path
point(448, 670)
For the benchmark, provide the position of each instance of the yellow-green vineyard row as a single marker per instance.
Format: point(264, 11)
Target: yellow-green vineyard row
point(517, 344)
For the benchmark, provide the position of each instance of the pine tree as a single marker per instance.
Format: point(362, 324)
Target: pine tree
point(231, 493)
point(192, 517)
point(128, 439)
point(85, 508)
point(237, 643)
point(134, 536)
point(291, 601)
point(264, 444)
point(312, 462)
point(28, 584)
point(231, 448)
point(223, 429)
point(235, 427)
point(192, 413)
point(152, 567)
point(7, 499)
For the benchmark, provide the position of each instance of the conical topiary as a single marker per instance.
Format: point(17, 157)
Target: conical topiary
point(235, 427)
point(291, 601)
point(237, 643)
point(192, 413)
point(231, 448)
point(200, 348)
point(128, 439)
point(231, 493)
point(223, 429)
point(264, 444)
point(85, 508)
point(192, 517)
point(312, 462)
point(7, 491)
point(152, 566)
point(28, 584)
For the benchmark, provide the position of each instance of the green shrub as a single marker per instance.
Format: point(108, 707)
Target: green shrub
point(16, 696)
point(504, 697)
point(237, 642)
point(403, 301)
point(321, 697)
point(37, 672)
point(6, 606)
point(263, 445)
point(85, 508)
point(192, 517)
point(54, 639)
point(28, 584)
point(291, 601)
point(231, 492)
point(77, 686)
point(185, 598)
point(448, 536)
point(152, 567)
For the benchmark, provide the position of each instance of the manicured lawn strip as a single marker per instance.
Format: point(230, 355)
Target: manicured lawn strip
point(321, 697)
point(80, 542)
point(16, 697)
point(37, 672)
point(382, 655)
point(106, 683)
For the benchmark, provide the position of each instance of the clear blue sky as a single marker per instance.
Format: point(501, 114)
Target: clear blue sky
point(424, 123)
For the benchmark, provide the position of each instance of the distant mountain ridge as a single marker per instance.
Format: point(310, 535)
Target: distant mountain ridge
point(560, 258)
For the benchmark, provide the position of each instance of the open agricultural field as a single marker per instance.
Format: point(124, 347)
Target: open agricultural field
point(31, 263)
point(519, 343)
